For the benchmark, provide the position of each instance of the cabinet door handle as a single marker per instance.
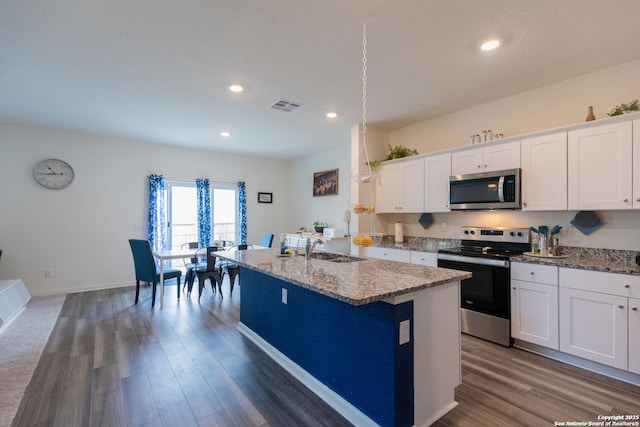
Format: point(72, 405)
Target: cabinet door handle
point(514, 288)
point(621, 306)
point(627, 286)
point(531, 273)
point(626, 200)
point(479, 166)
point(524, 204)
point(634, 308)
point(485, 166)
point(638, 199)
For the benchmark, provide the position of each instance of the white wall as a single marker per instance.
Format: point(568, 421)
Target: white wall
point(304, 208)
point(551, 106)
point(559, 104)
point(80, 233)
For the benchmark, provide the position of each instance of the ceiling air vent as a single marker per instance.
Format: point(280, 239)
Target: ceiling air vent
point(286, 106)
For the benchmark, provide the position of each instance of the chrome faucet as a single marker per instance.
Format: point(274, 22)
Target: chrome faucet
point(308, 250)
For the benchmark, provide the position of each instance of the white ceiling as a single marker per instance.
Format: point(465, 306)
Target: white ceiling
point(158, 70)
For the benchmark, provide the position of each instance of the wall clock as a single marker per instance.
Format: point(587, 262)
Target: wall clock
point(54, 174)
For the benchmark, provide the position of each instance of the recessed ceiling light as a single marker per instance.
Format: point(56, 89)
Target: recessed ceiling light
point(332, 114)
point(225, 134)
point(490, 45)
point(236, 88)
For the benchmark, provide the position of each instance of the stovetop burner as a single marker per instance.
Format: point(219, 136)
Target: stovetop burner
point(496, 243)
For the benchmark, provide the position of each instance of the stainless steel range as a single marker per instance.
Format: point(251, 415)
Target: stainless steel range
point(485, 306)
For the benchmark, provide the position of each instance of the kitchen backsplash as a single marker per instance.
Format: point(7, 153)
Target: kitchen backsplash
point(431, 244)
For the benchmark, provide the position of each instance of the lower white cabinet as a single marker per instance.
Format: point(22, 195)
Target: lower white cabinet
point(595, 316)
point(534, 304)
point(429, 259)
point(634, 335)
point(402, 255)
point(594, 326)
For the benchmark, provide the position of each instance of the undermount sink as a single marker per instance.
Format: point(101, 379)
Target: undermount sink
point(331, 257)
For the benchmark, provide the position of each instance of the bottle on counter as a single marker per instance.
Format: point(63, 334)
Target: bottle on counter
point(283, 244)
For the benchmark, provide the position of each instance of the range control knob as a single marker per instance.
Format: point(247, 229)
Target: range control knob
point(512, 233)
point(520, 234)
point(473, 232)
point(466, 231)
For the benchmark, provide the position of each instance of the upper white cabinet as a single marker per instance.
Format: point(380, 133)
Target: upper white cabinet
point(484, 159)
point(544, 173)
point(437, 170)
point(636, 164)
point(600, 167)
point(400, 187)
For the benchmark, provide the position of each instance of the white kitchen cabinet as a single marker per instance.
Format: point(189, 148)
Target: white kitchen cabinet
point(544, 173)
point(400, 187)
point(484, 159)
point(534, 304)
point(390, 254)
point(634, 335)
point(600, 167)
point(594, 315)
point(437, 170)
point(429, 259)
point(636, 164)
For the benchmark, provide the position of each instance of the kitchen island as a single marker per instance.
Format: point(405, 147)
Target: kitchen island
point(379, 341)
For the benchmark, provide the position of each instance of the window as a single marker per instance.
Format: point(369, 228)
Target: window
point(224, 200)
point(182, 214)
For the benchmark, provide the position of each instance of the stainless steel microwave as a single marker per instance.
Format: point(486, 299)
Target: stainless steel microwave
point(485, 190)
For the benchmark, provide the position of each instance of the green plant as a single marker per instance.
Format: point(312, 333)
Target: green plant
point(400, 151)
point(320, 224)
point(395, 152)
point(624, 108)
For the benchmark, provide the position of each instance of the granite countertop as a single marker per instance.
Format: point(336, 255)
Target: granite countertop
point(611, 261)
point(355, 283)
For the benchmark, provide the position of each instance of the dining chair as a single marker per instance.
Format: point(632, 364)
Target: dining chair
point(233, 269)
point(266, 240)
point(211, 271)
point(145, 266)
point(189, 264)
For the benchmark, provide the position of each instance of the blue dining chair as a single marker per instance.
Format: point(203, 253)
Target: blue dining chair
point(145, 266)
point(266, 240)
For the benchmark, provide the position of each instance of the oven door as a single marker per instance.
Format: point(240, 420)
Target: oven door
point(488, 290)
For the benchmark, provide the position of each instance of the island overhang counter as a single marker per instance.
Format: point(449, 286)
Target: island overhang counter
point(378, 340)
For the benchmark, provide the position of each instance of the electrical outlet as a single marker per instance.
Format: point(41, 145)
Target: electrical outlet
point(405, 332)
point(48, 274)
point(284, 296)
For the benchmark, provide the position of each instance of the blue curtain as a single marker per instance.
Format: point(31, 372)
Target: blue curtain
point(242, 213)
point(204, 211)
point(157, 225)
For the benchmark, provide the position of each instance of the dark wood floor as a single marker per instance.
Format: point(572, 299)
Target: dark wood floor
point(109, 362)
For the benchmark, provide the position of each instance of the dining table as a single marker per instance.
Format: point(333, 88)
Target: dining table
point(169, 254)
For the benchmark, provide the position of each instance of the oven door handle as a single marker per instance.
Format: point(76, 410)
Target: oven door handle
point(474, 260)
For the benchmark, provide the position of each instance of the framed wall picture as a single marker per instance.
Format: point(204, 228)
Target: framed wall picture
point(325, 183)
point(265, 197)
